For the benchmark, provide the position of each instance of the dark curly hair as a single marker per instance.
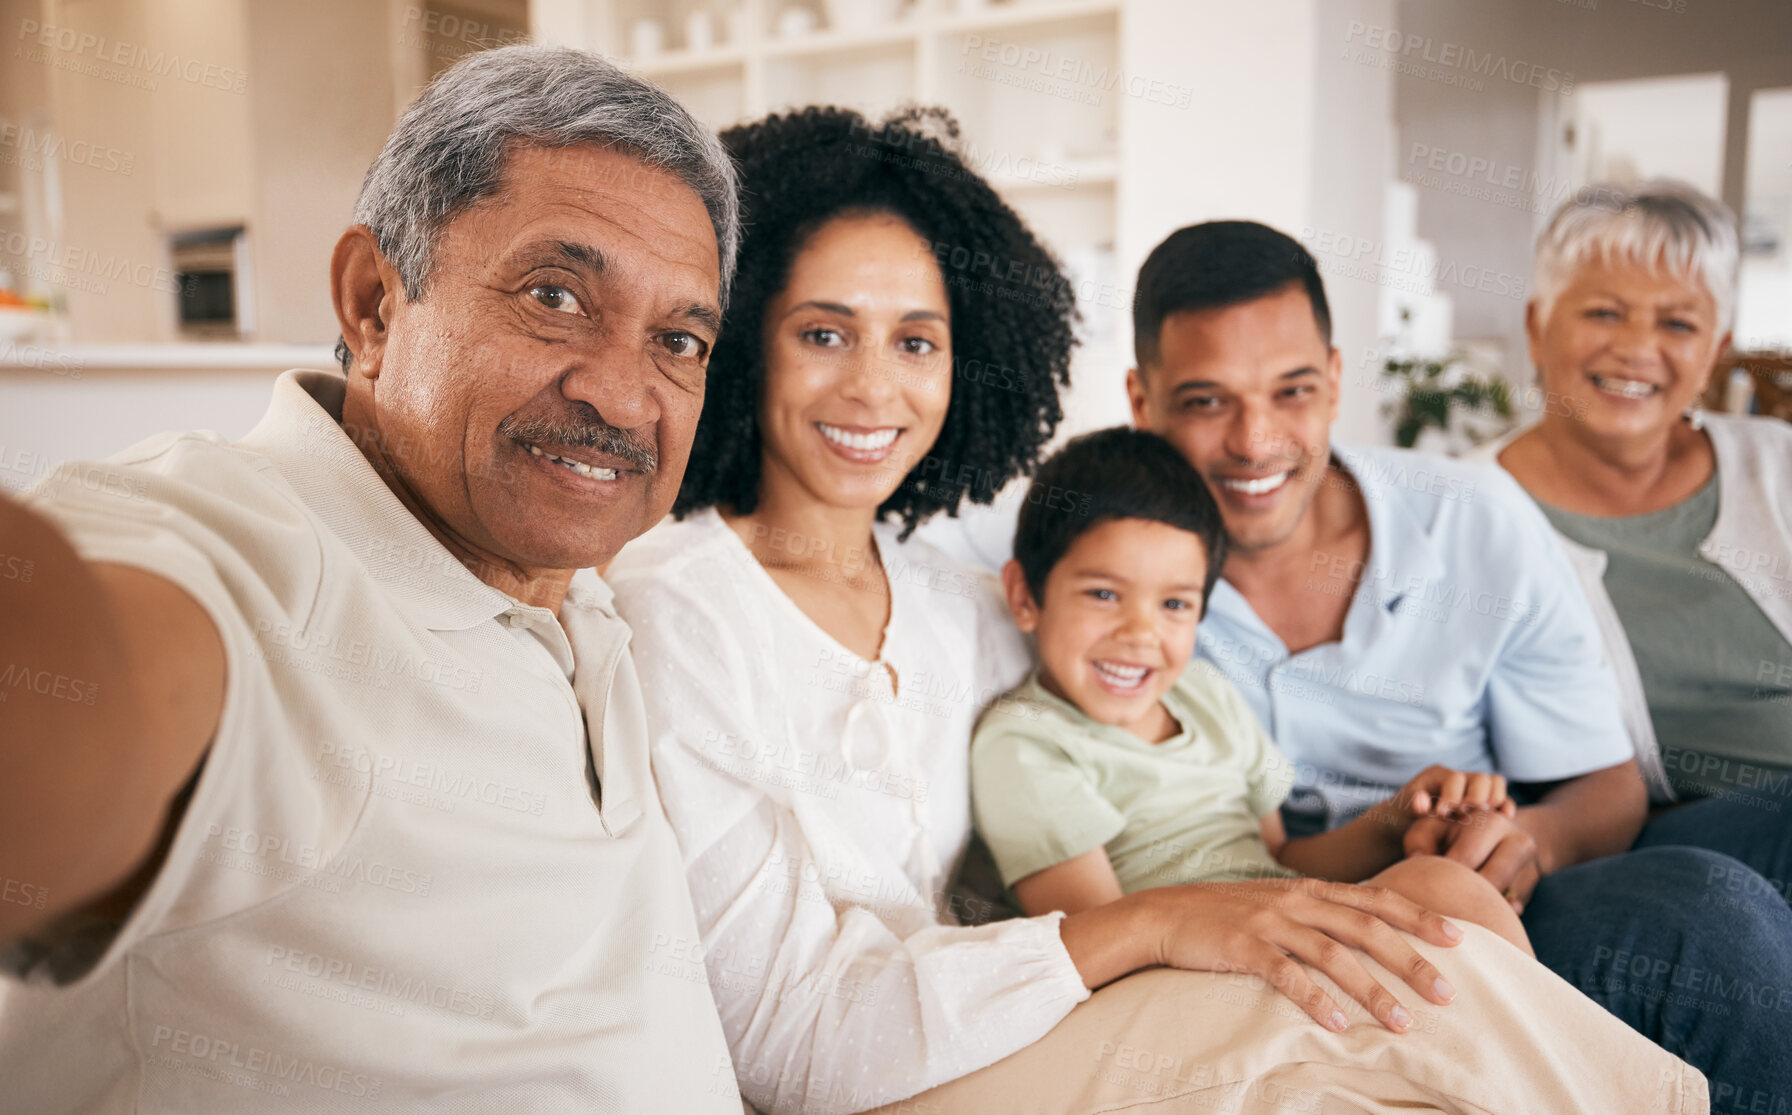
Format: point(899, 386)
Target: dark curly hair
point(1013, 309)
point(1116, 473)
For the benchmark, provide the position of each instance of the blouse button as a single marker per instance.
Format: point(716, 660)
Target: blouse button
point(867, 742)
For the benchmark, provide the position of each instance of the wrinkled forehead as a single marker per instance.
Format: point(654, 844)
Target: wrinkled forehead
point(608, 198)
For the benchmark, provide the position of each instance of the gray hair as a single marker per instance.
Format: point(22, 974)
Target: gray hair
point(1659, 223)
point(447, 151)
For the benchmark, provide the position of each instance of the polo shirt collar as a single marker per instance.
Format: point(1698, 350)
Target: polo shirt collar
point(302, 436)
point(1402, 557)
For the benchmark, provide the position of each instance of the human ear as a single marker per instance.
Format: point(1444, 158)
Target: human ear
point(1135, 395)
point(363, 290)
point(1020, 598)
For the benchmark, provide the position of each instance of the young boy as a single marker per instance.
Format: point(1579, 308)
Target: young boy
point(1119, 766)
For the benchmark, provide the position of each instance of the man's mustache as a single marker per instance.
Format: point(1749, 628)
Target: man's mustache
point(636, 449)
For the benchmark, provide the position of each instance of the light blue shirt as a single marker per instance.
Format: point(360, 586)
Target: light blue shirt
point(1468, 643)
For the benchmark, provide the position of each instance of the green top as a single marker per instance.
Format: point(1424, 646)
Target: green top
point(1049, 784)
point(1717, 674)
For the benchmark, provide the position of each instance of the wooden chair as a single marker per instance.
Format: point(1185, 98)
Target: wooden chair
point(1772, 373)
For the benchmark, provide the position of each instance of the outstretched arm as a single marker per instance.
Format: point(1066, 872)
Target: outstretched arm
point(113, 681)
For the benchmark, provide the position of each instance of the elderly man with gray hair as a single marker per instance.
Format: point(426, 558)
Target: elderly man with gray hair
point(326, 783)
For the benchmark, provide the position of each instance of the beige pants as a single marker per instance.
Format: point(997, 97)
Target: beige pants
point(1517, 1040)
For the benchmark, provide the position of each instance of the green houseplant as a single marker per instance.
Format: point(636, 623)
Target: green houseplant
point(1433, 392)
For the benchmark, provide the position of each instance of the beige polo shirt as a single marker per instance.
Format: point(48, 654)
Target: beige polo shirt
point(424, 867)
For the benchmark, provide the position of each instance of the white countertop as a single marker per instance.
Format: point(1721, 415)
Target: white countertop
point(177, 356)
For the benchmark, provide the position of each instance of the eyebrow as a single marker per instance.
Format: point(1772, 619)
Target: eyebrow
point(1687, 304)
point(707, 316)
point(1209, 384)
point(847, 311)
point(583, 257)
point(563, 253)
point(1104, 575)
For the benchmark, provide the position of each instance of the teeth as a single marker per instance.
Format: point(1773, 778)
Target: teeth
point(1259, 486)
point(875, 440)
point(1122, 677)
point(580, 467)
point(1625, 388)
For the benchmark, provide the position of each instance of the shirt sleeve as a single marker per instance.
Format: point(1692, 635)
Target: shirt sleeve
point(187, 509)
point(1272, 775)
point(1035, 805)
point(129, 512)
point(827, 1006)
point(1552, 701)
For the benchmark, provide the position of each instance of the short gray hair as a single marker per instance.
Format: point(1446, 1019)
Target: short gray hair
point(1657, 223)
point(447, 151)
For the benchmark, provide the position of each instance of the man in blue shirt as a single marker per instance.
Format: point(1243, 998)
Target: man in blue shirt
point(1383, 610)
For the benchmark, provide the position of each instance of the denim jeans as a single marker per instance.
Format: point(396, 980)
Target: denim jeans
point(1689, 947)
point(1754, 828)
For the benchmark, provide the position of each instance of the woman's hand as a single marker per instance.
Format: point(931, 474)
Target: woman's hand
point(1268, 927)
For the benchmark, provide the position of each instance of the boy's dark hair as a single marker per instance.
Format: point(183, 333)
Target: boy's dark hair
point(1117, 473)
point(1217, 264)
point(1013, 309)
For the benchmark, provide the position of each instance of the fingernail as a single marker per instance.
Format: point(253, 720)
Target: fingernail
point(1452, 931)
point(1337, 1021)
point(1443, 989)
point(1398, 1018)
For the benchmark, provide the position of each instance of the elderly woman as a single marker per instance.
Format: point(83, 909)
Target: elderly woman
point(1679, 522)
point(812, 672)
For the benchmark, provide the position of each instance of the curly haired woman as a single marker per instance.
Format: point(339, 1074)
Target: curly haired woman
point(894, 345)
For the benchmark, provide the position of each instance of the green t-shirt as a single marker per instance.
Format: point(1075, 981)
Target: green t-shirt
point(1048, 784)
point(1711, 661)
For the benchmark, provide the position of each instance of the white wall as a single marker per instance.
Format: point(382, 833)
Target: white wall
point(1764, 311)
point(1351, 158)
point(1244, 146)
point(1476, 218)
point(1285, 130)
point(52, 416)
point(322, 104)
point(1655, 127)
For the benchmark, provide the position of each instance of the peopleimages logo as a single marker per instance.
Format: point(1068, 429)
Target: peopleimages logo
point(31, 148)
point(147, 63)
point(83, 268)
point(1424, 56)
point(252, 1067)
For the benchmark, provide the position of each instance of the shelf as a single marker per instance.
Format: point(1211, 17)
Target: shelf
point(824, 41)
point(688, 61)
point(829, 42)
point(1009, 16)
point(1046, 141)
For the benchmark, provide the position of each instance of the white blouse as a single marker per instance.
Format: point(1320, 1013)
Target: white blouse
point(822, 803)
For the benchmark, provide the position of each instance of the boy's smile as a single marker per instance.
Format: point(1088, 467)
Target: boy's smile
point(1117, 622)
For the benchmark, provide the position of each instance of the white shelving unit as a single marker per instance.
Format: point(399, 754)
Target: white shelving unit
point(1037, 87)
